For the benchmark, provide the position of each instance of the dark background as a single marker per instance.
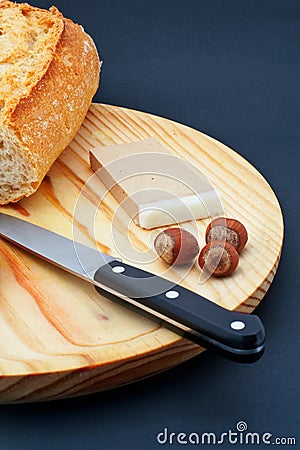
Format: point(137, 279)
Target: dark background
point(230, 69)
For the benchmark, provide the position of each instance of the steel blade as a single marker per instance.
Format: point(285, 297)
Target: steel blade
point(72, 256)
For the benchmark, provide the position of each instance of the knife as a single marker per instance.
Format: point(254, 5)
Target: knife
point(238, 336)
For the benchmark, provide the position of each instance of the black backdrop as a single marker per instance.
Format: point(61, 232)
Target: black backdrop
point(229, 68)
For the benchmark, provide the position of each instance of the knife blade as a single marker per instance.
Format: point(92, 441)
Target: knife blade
point(238, 336)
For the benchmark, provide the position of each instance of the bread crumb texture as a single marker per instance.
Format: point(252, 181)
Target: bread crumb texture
point(49, 72)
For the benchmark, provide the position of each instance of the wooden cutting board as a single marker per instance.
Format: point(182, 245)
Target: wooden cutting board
point(59, 337)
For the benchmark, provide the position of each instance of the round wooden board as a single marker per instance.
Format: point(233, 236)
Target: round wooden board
point(59, 337)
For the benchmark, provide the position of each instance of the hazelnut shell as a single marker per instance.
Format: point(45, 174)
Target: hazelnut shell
point(230, 230)
point(176, 246)
point(218, 258)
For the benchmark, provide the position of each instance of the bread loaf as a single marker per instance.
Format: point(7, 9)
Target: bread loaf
point(49, 72)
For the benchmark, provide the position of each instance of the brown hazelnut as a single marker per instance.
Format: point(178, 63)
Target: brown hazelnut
point(231, 230)
point(176, 246)
point(219, 258)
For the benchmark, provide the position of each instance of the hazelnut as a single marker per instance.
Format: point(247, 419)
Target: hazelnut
point(219, 258)
point(176, 246)
point(231, 230)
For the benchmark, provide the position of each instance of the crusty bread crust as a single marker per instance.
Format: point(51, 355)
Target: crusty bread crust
point(47, 116)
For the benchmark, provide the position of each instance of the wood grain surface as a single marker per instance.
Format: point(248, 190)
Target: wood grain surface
point(59, 337)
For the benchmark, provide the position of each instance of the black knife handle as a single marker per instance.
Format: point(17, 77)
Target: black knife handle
point(236, 333)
